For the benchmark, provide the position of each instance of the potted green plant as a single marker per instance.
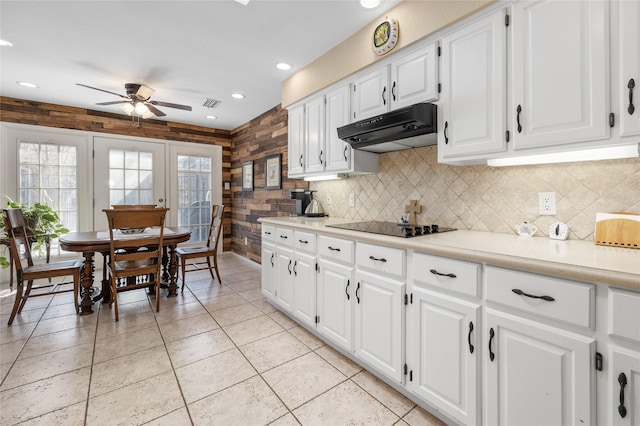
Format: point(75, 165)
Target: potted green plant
point(41, 221)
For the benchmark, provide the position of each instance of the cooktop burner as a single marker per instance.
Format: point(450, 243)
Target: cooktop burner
point(392, 229)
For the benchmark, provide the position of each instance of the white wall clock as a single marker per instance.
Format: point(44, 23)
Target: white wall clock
point(385, 36)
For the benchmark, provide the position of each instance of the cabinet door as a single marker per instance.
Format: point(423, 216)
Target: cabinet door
point(304, 271)
point(296, 140)
point(379, 323)
point(284, 278)
point(560, 67)
point(314, 131)
point(627, 63)
point(371, 94)
point(624, 382)
point(338, 153)
point(335, 312)
point(268, 269)
point(536, 374)
point(445, 362)
point(473, 94)
point(414, 77)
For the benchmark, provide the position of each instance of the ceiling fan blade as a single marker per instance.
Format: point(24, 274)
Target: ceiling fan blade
point(113, 102)
point(170, 105)
point(155, 110)
point(102, 90)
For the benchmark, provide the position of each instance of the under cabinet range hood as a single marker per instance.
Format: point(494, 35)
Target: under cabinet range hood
point(405, 128)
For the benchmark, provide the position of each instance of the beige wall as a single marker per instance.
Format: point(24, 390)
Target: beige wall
point(417, 19)
point(486, 198)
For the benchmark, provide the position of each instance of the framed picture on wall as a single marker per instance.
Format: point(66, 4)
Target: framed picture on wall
point(272, 172)
point(247, 176)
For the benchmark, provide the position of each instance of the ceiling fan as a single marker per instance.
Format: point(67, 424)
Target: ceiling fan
point(138, 99)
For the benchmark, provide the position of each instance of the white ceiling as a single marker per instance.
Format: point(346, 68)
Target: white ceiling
point(186, 50)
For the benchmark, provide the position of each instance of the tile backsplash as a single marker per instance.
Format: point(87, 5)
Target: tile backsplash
point(486, 198)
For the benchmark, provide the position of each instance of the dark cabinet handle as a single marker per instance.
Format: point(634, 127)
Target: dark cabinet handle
point(301, 160)
point(491, 336)
point(303, 241)
point(522, 293)
point(630, 86)
point(346, 290)
point(284, 237)
point(393, 91)
point(381, 259)
point(345, 153)
point(320, 156)
point(289, 267)
point(434, 272)
point(519, 110)
point(384, 92)
point(471, 348)
point(295, 272)
point(446, 138)
point(622, 379)
point(333, 249)
point(267, 233)
point(358, 292)
point(272, 264)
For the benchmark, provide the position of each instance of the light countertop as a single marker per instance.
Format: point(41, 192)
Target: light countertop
point(572, 259)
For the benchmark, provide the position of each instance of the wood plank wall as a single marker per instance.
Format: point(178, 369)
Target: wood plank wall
point(263, 136)
point(43, 114)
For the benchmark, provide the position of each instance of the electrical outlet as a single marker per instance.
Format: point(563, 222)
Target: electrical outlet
point(547, 203)
point(352, 199)
point(246, 241)
point(328, 199)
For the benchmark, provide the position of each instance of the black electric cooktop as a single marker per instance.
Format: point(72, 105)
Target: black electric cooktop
point(392, 229)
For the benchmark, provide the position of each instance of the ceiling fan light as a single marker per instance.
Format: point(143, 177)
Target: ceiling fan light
point(127, 107)
point(148, 114)
point(141, 109)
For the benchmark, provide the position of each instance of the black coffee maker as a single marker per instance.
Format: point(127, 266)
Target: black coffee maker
point(303, 198)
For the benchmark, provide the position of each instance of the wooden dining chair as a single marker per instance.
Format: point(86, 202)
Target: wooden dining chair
point(26, 271)
point(209, 251)
point(130, 268)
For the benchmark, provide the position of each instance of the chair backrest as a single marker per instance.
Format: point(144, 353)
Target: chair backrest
point(134, 206)
point(20, 246)
point(121, 246)
point(217, 210)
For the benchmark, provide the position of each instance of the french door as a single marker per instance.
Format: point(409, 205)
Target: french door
point(127, 172)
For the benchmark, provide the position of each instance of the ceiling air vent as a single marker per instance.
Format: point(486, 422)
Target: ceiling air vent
point(211, 103)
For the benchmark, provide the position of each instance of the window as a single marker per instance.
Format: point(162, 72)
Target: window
point(194, 194)
point(130, 177)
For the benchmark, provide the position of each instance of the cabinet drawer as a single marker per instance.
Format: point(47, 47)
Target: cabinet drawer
point(624, 314)
point(305, 241)
point(284, 237)
point(572, 302)
point(336, 248)
point(380, 259)
point(444, 273)
point(268, 232)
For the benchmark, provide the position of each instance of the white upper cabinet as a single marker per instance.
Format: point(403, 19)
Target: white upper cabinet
point(296, 141)
point(314, 133)
point(560, 66)
point(371, 94)
point(472, 103)
point(626, 66)
point(414, 77)
point(338, 152)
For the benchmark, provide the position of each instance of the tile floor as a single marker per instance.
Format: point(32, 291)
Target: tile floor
point(216, 354)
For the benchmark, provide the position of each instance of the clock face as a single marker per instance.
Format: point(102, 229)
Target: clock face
point(558, 231)
point(385, 36)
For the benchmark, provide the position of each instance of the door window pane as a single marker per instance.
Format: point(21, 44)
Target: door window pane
point(194, 195)
point(130, 177)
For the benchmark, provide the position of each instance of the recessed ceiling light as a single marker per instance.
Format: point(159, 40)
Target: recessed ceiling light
point(211, 117)
point(5, 43)
point(283, 66)
point(27, 84)
point(237, 95)
point(369, 4)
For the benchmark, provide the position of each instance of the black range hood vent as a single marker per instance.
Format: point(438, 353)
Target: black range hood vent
point(408, 122)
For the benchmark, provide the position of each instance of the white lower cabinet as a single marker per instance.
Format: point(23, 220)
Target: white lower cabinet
point(445, 354)
point(536, 374)
point(379, 323)
point(624, 387)
point(268, 269)
point(304, 295)
point(284, 278)
point(335, 310)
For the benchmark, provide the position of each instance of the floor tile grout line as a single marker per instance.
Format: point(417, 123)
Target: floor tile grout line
point(93, 356)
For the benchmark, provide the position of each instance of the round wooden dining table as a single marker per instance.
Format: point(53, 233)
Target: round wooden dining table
point(89, 243)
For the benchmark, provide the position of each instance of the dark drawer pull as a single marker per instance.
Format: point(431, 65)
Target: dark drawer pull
point(381, 259)
point(492, 334)
point(522, 293)
point(303, 241)
point(471, 348)
point(434, 272)
point(622, 380)
point(267, 233)
point(346, 290)
point(333, 249)
point(283, 237)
